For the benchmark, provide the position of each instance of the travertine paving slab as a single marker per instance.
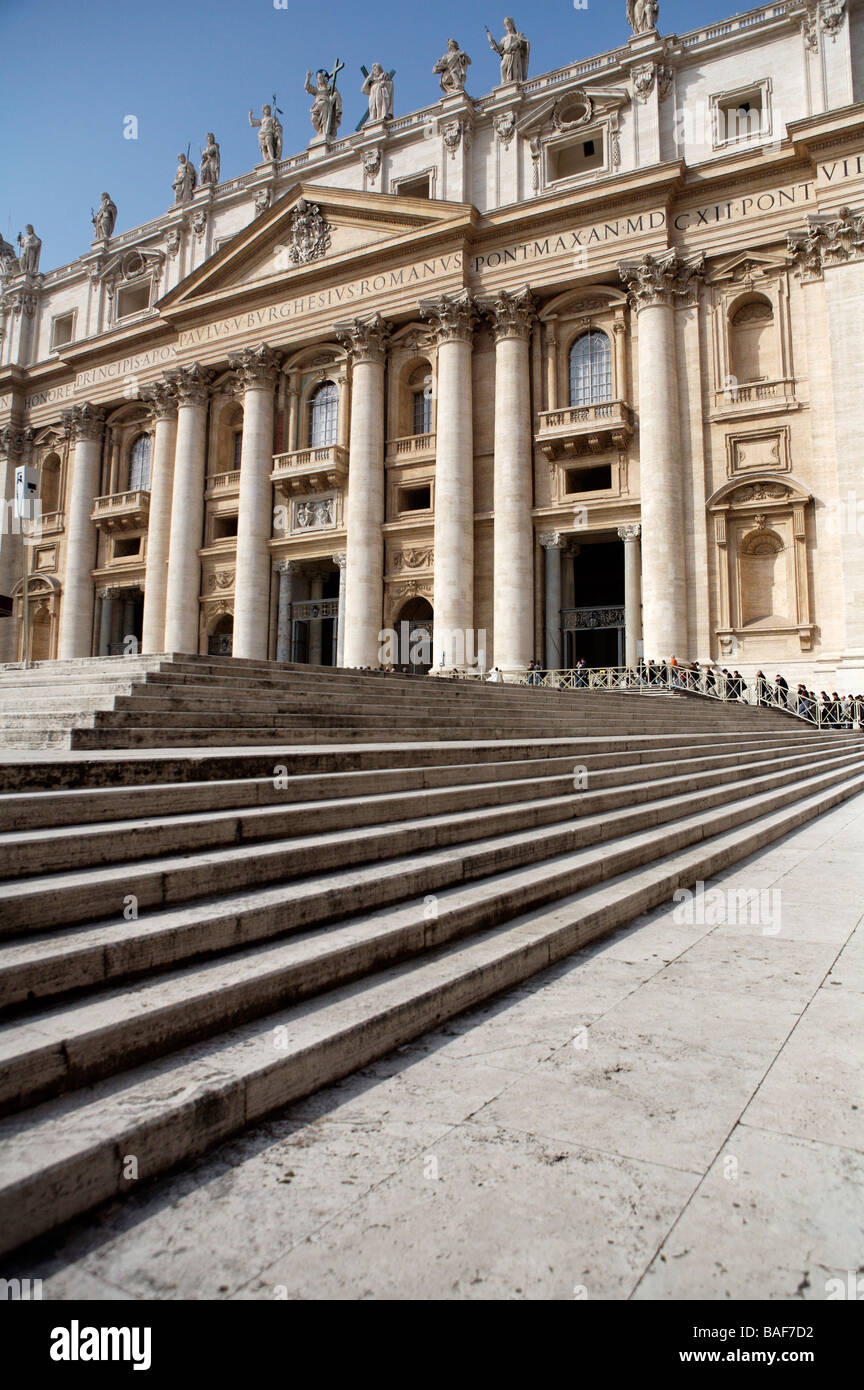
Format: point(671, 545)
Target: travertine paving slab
point(490, 1214)
point(774, 1219)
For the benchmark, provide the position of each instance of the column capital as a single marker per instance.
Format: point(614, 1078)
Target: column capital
point(160, 396)
point(285, 567)
point(255, 366)
point(512, 315)
point(85, 421)
point(453, 318)
point(365, 339)
point(668, 279)
point(629, 533)
point(551, 540)
point(827, 239)
point(14, 441)
point(191, 383)
point(340, 560)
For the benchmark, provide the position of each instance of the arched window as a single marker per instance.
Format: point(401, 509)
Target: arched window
point(139, 463)
point(49, 484)
point(590, 369)
point(753, 344)
point(323, 415)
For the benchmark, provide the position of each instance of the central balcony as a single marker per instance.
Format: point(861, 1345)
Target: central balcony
point(584, 429)
point(311, 470)
point(121, 511)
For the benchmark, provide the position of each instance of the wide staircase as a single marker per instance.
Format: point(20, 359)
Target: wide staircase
point(259, 879)
point(188, 702)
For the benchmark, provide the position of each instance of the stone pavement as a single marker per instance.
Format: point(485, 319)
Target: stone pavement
point(674, 1113)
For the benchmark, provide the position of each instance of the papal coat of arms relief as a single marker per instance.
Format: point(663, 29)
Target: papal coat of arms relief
point(309, 235)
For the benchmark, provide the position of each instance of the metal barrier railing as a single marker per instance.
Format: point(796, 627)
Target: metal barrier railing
point(823, 711)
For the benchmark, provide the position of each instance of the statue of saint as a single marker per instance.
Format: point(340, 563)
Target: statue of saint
point(378, 87)
point(642, 15)
point(452, 69)
point(208, 170)
point(514, 51)
point(269, 134)
point(326, 109)
point(184, 180)
point(105, 218)
point(29, 246)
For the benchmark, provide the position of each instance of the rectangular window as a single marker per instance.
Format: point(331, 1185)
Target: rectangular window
point(62, 329)
point(238, 449)
point(415, 188)
point(568, 161)
point(126, 546)
point(741, 115)
point(597, 479)
point(422, 413)
point(415, 499)
point(133, 299)
point(224, 527)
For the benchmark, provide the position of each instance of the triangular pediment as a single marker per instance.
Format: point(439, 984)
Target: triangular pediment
point(309, 230)
point(746, 266)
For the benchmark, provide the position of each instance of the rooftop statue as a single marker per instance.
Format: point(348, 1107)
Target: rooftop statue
point(104, 220)
point(184, 180)
point(642, 15)
point(514, 50)
point(452, 69)
point(378, 87)
point(208, 169)
point(269, 134)
point(30, 247)
point(326, 109)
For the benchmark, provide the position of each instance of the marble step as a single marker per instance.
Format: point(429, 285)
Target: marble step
point(44, 901)
point(81, 846)
point(67, 1156)
point(35, 810)
point(88, 769)
point(73, 959)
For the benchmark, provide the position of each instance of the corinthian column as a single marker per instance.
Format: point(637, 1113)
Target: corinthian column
point(512, 317)
point(364, 512)
point(187, 509)
point(257, 368)
point(86, 425)
point(632, 593)
point(453, 319)
point(656, 286)
point(163, 400)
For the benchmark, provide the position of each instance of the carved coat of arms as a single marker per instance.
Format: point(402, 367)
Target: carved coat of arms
point(309, 234)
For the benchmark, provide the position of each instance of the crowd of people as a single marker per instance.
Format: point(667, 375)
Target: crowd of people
point(832, 710)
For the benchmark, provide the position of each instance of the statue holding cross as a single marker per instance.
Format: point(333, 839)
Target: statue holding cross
point(378, 87)
point(326, 109)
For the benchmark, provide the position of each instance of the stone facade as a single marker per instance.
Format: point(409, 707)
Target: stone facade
point(578, 365)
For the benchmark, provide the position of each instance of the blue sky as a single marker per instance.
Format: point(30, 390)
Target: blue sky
point(71, 72)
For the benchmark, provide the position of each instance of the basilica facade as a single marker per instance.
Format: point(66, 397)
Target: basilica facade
point(571, 369)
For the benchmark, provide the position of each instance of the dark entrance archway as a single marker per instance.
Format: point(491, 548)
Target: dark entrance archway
point(414, 625)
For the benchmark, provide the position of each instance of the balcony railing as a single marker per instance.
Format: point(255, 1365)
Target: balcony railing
point(311, 470)
point(579, 429)
point(755, 395)
point(223, 484)
point(414, 446)
point(121, 511)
